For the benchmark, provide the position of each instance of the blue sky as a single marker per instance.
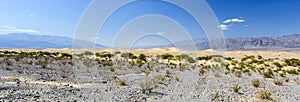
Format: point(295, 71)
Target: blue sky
point(49, 17)
point(238, 18)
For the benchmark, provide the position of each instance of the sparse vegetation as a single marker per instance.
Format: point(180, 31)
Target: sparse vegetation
point(293, 71)
point(268, 74)
point(278, 82)
point(265, 94)
point(122, 83)
point(216, 95)
point(177, 79)
point(56, 66)
point(256, 82)
point(236, 88)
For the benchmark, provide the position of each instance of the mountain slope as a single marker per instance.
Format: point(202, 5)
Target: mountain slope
point(291, 42)
point(24, 40)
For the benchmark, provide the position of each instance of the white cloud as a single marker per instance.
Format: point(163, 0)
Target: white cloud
point(234, 20)
point(226, 24)
point(223, 27)
point(227, 21)
point(11, 29)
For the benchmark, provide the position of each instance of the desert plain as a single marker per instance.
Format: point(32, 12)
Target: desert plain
point(158, 74)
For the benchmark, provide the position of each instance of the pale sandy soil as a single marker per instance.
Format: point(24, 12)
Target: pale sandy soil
point(100, 84)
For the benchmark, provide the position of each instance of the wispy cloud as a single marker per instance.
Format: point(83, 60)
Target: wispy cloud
point(11, 29)
point(223, 27)
point(226, 23)
point(233, 20)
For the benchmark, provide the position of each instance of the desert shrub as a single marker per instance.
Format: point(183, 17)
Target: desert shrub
point(265, 94)
point(112, 69)
point(247, 57)
point(186, 57)
point(292, 62)
point(278, 82)
point(128, 55)
point(122, 83)
point(217, 74)
point(191, 60)
point(117, 52)
point(88, 53)
point(142, 57)
point(202, 81)
point(204, 58)
point(287, 79)
point(268, 74)
point(149, 84)
point(256, 82)
point(216, 95)
point(66, 55)
point(167, 73)
point(259, 57)
point(177, 79)
point(53, 87)
point(238, 74)
point(277, 64)
point(104, 55)
point(236, 88)
point(201, 71)
point(146, 86)
point(293, 71)
point(167, 56)
point(229, 58)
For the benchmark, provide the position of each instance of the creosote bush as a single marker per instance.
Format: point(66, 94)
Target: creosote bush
point(256, 82)
point(177, 79)
point(278, 82)
point(265, 94)
point(147, 86)
point(236, 88)
point(216, 96)
point(122, 83)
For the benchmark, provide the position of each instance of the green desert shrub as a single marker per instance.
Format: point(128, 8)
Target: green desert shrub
point(265, 94)
point(117, 52)
point(238, 74)
point(167, 73)
point(122, 83)
point(293, 71)
point(277, 64)
point(88, 53)
point(256, 82)
point(259, 57)
point(204, 58)
point(202, 71)
point(216, 95)
point(278, 82)
point(142, 57)
point(268, 74)
point(236, 88)
point(229, 58)
point(177, 79)
point(66, 55)
point(167, 56)
point(128, 55)
point(292, 62)
point(147, 86)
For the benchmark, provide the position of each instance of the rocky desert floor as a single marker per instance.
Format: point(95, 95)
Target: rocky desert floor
point(148, 75)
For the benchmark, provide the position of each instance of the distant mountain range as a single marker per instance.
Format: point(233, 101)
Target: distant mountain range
point(287, 42)
point(24, 40)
